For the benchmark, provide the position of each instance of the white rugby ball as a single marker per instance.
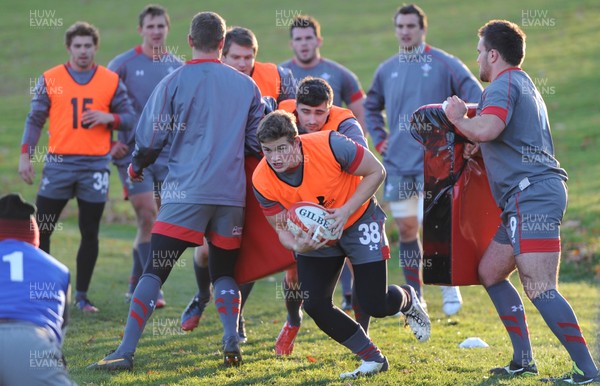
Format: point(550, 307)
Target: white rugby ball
point(304, 214)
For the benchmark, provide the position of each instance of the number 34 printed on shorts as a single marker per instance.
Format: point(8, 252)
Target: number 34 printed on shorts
point(100, 182)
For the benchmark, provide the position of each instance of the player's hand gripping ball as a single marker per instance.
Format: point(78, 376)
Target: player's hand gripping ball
point(303, 215)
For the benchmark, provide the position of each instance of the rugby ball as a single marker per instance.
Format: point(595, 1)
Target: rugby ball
point(304, 214)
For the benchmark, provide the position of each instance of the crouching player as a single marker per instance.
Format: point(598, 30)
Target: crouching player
point(346, 175)
point(34, 301)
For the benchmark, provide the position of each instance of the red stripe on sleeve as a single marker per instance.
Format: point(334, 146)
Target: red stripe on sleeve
point(25, 148)
point(360, 153)
point(272, 210)
point(360, 94)
point(117, 121)
point(497, 111)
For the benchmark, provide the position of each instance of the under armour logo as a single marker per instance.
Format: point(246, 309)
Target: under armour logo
point(426, 68)
point(139, 72)
point(394, 74)
point(151, 303)
point(389, 188)
point(517, 308)
point(231, 291)
point(325, 76)
point(45, 181)
point(373, 247)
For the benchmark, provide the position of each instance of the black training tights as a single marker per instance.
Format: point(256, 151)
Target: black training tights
point(318, 277)
point(165, 251)
point(90, 213)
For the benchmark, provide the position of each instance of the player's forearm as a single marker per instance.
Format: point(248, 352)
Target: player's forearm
point(279, 223)
point(33, 130)
point(287, 239)
point(378, 134)
point(122, 110)
point(374, 104)
point(365, 190)
point(141, 158)
point(375, 125)
point(481, 128)
point(150, 138)
point(123, 118)
point(255, 115)
point(123, 121)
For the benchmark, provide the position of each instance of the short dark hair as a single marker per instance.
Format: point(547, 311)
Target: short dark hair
point(153, 10)
point(82, 28)
point(275, 125)
point(507, 38)
point(314, 91)
point(412, 9)
point(207, 30)
point(305, 21)
point(242, 37)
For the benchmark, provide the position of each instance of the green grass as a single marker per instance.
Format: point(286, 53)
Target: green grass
point(359, 34)
point(168, 356)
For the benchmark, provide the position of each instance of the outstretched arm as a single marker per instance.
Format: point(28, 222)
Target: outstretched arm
point(482, 128)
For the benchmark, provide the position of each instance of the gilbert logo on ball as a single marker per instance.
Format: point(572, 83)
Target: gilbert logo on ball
point(303, 215)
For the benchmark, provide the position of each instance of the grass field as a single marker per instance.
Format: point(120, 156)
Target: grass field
point(562, 58)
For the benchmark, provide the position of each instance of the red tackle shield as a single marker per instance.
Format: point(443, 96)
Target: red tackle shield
point(460, 214)
point(261, 253)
